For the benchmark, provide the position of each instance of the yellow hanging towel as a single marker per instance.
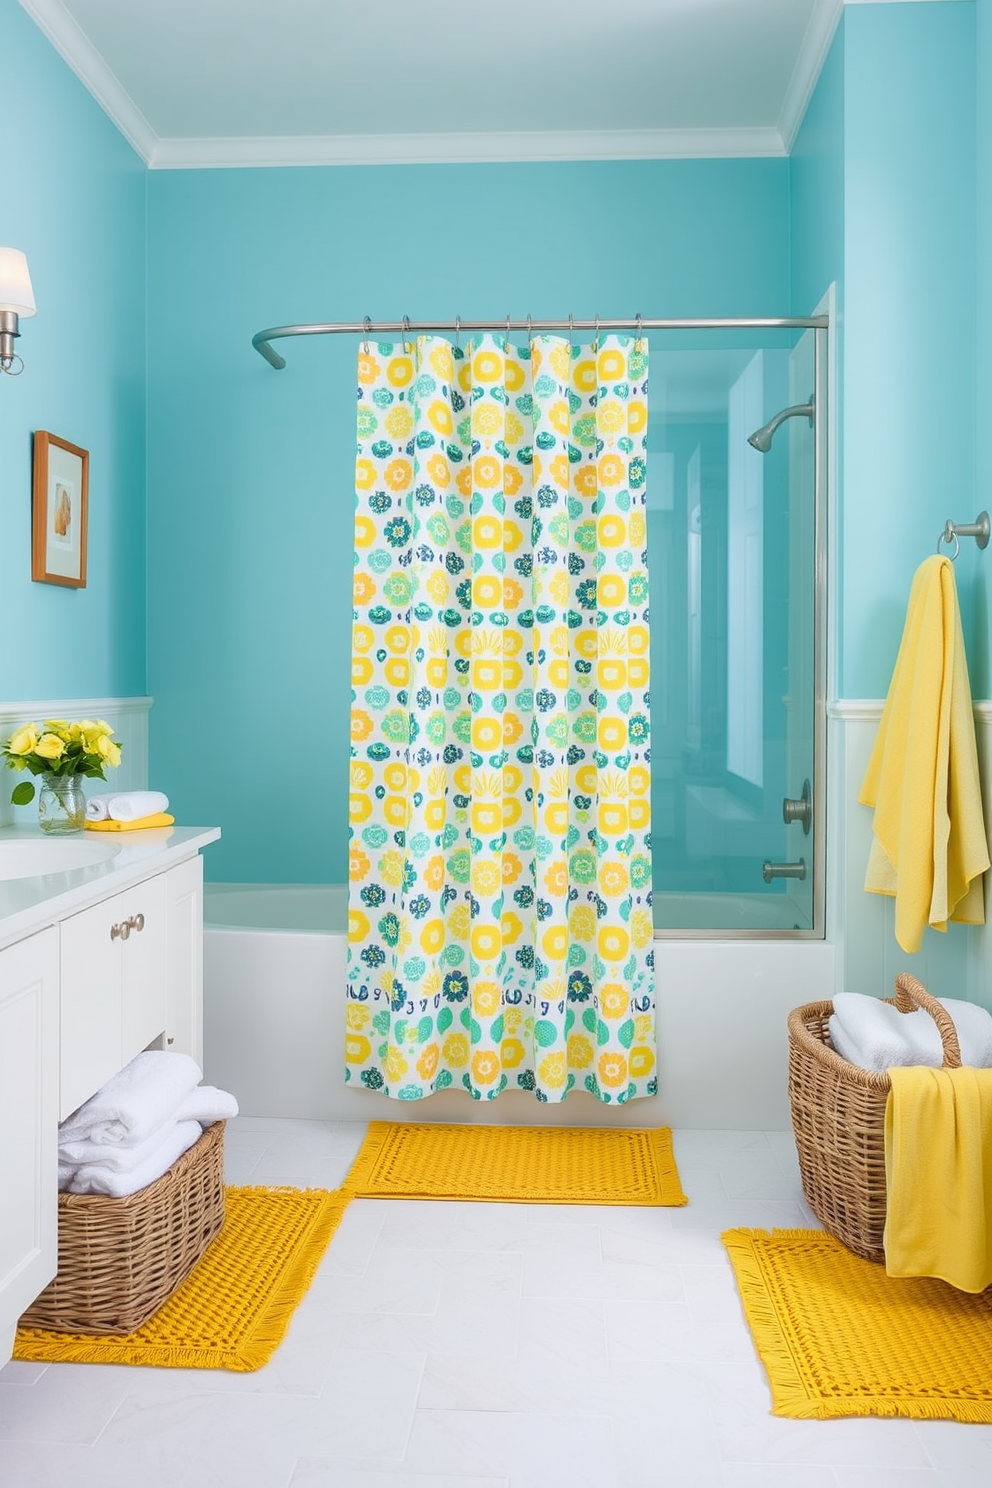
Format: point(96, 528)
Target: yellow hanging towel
point(929, 848)
point(938, 1175)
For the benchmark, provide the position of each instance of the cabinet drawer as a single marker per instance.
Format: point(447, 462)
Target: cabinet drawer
point(90, 1043)
point(144, 964)
point(114, 987)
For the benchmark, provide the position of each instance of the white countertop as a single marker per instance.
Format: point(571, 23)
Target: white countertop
point(29, 904)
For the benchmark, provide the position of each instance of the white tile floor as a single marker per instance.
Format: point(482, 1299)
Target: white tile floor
point(485, 1346)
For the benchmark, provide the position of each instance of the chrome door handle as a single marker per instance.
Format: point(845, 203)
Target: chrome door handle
point(783, 870)
point(800, 810)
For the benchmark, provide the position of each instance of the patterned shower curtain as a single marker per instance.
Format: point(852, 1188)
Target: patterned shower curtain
point(500, 931)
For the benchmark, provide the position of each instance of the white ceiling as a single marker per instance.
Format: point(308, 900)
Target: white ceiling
point(249, 82)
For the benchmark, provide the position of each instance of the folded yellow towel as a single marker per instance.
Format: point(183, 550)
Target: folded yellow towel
point(938, 1175)
point(157, 819)
point(929, 848)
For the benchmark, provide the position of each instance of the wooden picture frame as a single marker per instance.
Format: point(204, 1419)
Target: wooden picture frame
point(60, 499)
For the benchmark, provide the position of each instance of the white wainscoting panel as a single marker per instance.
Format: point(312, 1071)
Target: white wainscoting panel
point(862, 925)
point(128, 717)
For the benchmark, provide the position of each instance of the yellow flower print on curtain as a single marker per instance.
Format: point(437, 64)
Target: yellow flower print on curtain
point(500, 930)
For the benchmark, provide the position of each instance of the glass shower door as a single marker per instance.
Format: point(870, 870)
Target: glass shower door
point(735, 695)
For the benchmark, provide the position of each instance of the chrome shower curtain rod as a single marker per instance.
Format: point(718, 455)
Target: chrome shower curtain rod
point(405, 327)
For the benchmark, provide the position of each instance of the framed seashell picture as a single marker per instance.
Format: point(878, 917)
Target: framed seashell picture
point(60, 494)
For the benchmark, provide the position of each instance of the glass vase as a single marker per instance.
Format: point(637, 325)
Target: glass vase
point(61, 803)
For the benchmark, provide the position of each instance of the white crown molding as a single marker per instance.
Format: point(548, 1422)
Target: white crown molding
point(51, 18)
point(451, 149)
point(816, 44)
point(73, 46)
point(55, 22)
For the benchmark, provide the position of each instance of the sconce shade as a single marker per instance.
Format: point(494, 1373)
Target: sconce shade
point(16, 293)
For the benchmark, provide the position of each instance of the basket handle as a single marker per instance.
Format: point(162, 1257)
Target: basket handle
point(911, 994)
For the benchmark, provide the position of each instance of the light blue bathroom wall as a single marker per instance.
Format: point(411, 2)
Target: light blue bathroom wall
point(816, 177)
point(72, 196)
point(980, 660)
point(909, 339)
point(251, 470)
point(817, 172)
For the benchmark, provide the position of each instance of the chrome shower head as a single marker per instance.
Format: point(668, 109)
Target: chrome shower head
point(761, 439)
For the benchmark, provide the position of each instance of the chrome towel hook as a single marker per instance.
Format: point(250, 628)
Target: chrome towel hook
point(979, 529)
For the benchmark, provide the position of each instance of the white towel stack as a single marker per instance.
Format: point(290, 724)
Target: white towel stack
point(138, 1124)
point(875, 1035)
point(128, 806)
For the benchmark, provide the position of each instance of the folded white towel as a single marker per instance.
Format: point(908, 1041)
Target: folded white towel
point(98, 1178)
point(136, 1102)
point(119, 1157)
point(127, 806)
point(206, 1104)
point(874, 1035)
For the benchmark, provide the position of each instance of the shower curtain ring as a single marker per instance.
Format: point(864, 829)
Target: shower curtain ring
point(640, 325)
point(368, 328)
point(571, 328)
point(506, 343)
point(458, 333)
point(530, 330)
point(595, 344)
point(406, 335)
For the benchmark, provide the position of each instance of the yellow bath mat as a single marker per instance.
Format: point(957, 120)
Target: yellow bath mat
point(517, 1164)
point(838, 1337)
point(234, 1308)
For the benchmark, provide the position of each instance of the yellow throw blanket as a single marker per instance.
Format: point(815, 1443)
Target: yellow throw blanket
point(929, 849)
point(938, 1175)
point(157, 819)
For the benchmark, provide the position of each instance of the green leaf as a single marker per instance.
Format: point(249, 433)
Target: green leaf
point(22, 794)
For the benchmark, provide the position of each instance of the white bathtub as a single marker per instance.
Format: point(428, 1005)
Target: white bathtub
point(274, 969)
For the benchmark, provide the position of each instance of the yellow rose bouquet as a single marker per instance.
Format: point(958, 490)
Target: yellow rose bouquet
point(56, 747)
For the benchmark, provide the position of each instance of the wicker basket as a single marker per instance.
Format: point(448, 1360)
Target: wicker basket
point(838, 1116)
point(120, 1259)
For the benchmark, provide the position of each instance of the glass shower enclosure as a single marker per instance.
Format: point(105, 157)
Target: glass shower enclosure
point(736, 496)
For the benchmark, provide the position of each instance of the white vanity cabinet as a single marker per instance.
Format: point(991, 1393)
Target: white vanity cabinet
point(184, 1000)
point(114, 987)
point(29, 1011)
point(96, 964)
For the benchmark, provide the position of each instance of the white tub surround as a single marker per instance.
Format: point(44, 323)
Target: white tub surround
point(97, 962)
point(274, 1023)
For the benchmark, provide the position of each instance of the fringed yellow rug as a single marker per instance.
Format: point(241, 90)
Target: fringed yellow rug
point(838, 1337)
point(517, 1164)
point(234, 1308)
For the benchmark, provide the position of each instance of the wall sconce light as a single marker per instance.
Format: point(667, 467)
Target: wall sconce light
point(16, 298)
